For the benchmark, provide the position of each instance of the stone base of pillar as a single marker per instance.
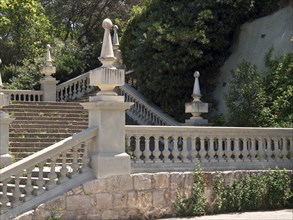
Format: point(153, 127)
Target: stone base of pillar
point(5, 160)
point(108, 164)
point(196, 121)
point(48, 85)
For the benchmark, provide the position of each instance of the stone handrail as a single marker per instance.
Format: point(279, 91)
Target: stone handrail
point(143, 112)
point(217, 148)
point(24, 95)
point(74, 88)
point(67, 158)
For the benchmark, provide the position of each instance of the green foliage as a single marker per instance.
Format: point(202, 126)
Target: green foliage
point(166, 41)
point(24, 29)
point(255, 101)
point(279, 89)
point(195, 204)
point(246, 97)
point(254, 192)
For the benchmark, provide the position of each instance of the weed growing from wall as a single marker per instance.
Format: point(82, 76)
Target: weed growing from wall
point(195, 204)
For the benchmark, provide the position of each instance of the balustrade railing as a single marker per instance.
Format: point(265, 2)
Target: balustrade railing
point(217, 148)
point(24, 95)
point(45, 174)
point(142, 111)
point(74, 88)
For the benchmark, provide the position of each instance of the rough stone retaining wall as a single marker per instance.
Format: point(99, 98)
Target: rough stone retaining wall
point(136, 196)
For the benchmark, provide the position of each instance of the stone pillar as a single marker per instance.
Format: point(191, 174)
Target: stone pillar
point(107, 112)
point(196, 107)
point(48, 83)
point(5, 121)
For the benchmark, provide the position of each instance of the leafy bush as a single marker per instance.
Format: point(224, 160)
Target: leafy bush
point(246, 97)
point(254, 192)
point(255, 101)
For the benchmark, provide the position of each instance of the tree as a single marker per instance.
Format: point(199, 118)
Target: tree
point(166, 41)
point(279, 89)
point(246, 98)
point(24, 30)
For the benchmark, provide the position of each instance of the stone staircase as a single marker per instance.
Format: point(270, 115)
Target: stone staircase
point(38, 125)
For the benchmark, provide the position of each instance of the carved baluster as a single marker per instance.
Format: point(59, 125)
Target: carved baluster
point(229, 151)
point(40, 181)
point(237, 149)
point(29, 188)
point(156, 152)
point(64, 170)
point(285, 150)
point(16, 192)
point(85, 158)
point(166, 151)
point(220, 150)
point(74, 164)
point(4, 198)
point(202, 151)
point(261, 149)
point(277, 152)
point(193, 151)
point(270, 154)
point(184, 151)
point(175, 151)
point(211, 149)
point(245, 151)
point(252, 150)
point(147, 153)
point(137, 151)
point(52, 175)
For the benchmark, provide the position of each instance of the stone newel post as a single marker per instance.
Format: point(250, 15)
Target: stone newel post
point(5, 121)
point(196, 107)
point(107, 112)
point(48, 83)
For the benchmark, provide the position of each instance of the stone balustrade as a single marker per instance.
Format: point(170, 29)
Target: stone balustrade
point(24, 95)
point(45, 174)
point(74, 88)
point(143, 112)
point(155, 148)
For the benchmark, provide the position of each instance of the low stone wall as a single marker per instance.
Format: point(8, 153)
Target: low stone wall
point(136, 196)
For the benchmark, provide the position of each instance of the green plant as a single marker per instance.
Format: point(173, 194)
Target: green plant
point(257, 191)
point(196, 203)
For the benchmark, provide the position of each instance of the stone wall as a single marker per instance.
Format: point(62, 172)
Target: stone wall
point(136, 196)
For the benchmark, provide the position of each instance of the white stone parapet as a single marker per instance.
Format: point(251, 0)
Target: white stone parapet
point(217, 148)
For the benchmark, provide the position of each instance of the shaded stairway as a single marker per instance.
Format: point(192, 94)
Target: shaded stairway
point(38, 125)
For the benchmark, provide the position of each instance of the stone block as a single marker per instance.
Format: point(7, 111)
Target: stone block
point(161, 180)
point(189, 179)
point(142, 181)
point(57, 204)
point(104, 201)
point(170, 196)
point(95, 186)
point(132, 199)
point(176, 180)
point(122, 183)
point(119, 200)
point(79, 202)
point(159, 198)
point(144, 200)
point(110, 214)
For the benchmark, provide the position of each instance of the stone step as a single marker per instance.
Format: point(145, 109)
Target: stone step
point(49, 114)
point(51, 118)
point(38, 135)
point(54, 122)
point(42, 127)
